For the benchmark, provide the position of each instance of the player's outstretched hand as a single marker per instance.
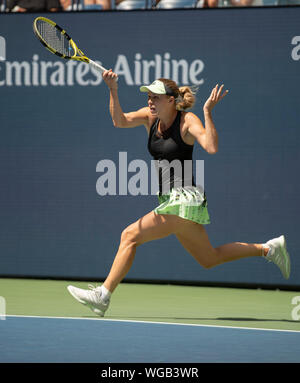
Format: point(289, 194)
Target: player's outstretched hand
point(215, 96)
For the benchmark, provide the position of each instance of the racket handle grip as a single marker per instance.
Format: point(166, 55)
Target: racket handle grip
point(98, 67)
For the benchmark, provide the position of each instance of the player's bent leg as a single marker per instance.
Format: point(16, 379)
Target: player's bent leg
point(194, 239)
point(196, 242)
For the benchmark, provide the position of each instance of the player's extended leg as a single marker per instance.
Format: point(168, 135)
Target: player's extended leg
point(148, 228)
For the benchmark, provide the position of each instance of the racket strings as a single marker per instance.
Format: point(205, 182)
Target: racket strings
point(55, 39)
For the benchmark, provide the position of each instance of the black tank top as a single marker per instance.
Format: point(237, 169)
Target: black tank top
point(170, 147)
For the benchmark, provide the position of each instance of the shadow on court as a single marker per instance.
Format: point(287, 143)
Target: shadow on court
point(231, 319)
point(257, 320)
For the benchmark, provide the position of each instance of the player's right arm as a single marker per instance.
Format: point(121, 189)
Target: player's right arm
point(119, 118)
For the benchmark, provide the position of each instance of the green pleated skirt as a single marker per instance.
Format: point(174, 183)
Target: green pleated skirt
point(186, 202)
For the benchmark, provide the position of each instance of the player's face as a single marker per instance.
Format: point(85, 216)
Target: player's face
point(157, 102)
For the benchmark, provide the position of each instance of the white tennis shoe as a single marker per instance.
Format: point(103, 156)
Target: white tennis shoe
point(278, 254)
point(90, 298)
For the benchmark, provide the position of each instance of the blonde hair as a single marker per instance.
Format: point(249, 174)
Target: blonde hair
point(184, 96)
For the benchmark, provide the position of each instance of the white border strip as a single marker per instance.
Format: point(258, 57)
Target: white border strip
point(150, 322)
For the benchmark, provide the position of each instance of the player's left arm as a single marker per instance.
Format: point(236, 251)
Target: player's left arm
point(207, 136)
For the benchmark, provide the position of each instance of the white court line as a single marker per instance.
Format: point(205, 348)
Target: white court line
point(150, 322)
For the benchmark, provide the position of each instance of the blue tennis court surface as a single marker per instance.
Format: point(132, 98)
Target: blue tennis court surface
point(69, 340)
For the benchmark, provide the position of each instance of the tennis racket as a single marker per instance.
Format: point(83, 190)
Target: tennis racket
point(58, 42)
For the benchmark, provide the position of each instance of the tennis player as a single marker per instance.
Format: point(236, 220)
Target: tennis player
point(182, 210)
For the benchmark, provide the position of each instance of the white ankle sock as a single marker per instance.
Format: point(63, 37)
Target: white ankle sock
point(265, 246)
point(105, 294)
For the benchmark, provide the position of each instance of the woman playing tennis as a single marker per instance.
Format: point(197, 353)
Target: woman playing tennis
point(172, 133)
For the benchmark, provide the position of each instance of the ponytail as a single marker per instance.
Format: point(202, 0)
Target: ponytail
point(184, 96)
point(186, 99)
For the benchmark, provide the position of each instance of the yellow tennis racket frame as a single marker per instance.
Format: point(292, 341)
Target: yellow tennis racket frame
point(78, 55)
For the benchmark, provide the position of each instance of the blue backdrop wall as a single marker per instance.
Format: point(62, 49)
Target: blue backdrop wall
point(55, 129)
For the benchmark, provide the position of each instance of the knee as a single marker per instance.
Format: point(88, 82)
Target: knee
point(207, 264)
point(129, 237)
point(209, 261)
